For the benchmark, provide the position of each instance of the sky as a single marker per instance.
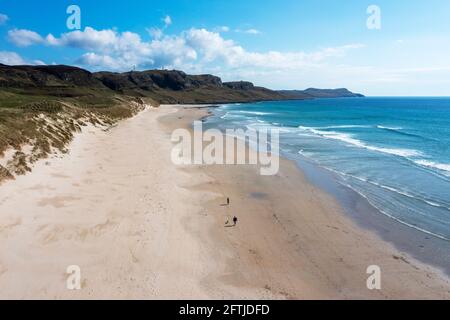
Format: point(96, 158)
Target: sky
point(377, 47)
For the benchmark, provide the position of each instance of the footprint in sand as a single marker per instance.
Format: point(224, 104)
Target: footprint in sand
point(56, 202)
point(10, 225)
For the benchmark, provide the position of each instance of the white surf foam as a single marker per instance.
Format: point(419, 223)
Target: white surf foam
point(347, 138)
point(392, 189)
point(343, 127)
point(389, 128)
point(434, 165)
point(256, 113)
point(440, 236)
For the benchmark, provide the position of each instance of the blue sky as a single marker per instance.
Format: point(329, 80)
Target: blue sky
point(284, 44)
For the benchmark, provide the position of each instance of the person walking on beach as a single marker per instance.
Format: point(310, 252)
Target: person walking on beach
point(235, 220)
point(228, 201)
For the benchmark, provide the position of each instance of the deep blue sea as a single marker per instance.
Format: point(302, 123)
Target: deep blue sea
point(395, 152)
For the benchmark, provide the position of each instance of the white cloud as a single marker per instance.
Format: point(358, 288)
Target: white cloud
point(12, 59)
point(155, 33)
point(249, 31)
point(93, 59)
point(252, 31)
point(3, 19)
point(215, 48)
point(38, 63)
point(89, 39)
point(224, 29)
point(194, 50)
point(24, 38)
point(167, 21)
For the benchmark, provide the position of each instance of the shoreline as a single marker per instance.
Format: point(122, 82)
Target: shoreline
point(141, 227)
point(425, 248)
point(292, 168)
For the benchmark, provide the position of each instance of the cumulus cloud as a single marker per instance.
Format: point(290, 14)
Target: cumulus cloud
point(249, 31)
point(252, 31)
point(3, 19)
point(167, 21)
point(89, 39)
point(93, 59)
point(24, 38)
point(194, 50)
point(12, 59)
point(223, 29)
point(155, 33)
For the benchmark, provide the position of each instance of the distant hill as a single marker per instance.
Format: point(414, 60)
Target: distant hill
point(312, 93)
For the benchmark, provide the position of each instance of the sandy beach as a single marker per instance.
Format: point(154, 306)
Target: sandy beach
point(140, 227)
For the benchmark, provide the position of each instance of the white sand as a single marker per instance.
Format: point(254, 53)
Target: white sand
point(115, 207)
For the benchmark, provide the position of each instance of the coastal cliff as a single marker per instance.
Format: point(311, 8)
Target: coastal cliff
point(162, 86)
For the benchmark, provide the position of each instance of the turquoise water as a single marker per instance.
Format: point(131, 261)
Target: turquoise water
point(395, 152)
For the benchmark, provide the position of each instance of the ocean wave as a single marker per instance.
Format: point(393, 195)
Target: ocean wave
point(231, 115)
point(256, 113)
point(405, 194)
point(401, 131)
point(411, 196)
point(226, 115)
point(437, 235)
point(434, 165)
point(345, 126)
point(432, 203)
point(261, 124)
point(347, 138)
point(346, 183)
point(390, 128)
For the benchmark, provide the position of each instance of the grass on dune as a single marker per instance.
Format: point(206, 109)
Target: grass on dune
point(48, 123)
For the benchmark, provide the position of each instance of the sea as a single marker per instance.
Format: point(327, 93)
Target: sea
point(393, 152)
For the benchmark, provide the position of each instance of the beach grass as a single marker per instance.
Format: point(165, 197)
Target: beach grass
point(46, 123)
